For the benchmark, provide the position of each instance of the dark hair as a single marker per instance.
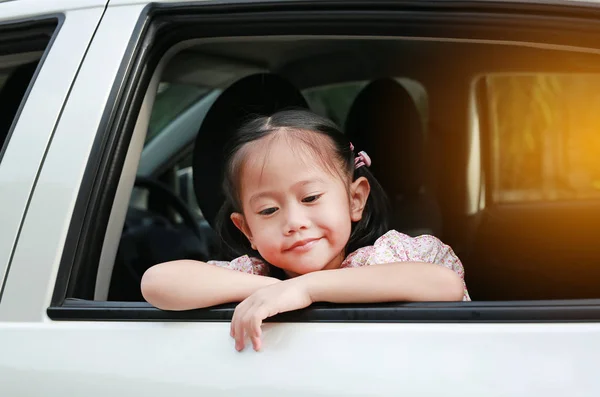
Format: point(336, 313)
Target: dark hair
point(300, 123)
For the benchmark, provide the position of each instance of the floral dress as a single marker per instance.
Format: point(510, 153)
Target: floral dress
point(391, 247)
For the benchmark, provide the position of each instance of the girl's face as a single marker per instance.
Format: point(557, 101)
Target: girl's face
point(296, 213)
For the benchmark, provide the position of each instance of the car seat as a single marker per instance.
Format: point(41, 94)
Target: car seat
point(385, 122)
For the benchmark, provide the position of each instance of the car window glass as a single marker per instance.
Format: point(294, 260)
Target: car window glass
point(13, 86)
point(171, 100)
point(185, 185)
point(333, 101)
point(544, 142)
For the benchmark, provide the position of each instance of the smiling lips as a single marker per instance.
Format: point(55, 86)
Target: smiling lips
point(303, 245)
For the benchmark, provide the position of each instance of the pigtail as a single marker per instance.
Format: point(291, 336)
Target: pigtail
point(375, 220)
point(232, 240)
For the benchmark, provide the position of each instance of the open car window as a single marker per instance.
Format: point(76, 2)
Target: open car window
point(544, 142)
point(512, 128)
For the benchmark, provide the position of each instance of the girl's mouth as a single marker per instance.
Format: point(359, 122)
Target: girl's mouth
point(303, 245)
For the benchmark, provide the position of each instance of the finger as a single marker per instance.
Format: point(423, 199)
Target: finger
point(255, 331)
point(239, 335)
point(240, 308)
point(256, 343)
point(257, 319)
point(232, 324)
point(238, 327)
point(248, 325)
point(255, 327)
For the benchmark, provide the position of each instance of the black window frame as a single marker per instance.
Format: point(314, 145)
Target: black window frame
point(163, 25)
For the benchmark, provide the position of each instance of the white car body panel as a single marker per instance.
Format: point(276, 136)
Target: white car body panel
point(191, 359)
point(26, 147)
point(36, 264)
point(23, 9)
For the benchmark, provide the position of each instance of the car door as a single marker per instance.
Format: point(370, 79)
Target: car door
point(59, 338)
point(42, 46)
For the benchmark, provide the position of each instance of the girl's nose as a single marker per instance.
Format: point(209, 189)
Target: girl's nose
point(296, 220)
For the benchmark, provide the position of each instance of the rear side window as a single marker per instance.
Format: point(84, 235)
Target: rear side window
point(544, 141)
point(14, 82)
point(22, 47)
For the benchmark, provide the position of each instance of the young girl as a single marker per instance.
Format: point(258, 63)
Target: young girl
point(305, 220)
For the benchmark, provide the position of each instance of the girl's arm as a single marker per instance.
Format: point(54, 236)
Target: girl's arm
point(391, 282)
point(186, 284)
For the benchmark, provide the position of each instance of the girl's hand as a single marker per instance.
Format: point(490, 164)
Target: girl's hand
point(268, 301)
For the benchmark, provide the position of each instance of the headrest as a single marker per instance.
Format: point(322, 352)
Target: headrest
point(258, 94)
point(384, 121)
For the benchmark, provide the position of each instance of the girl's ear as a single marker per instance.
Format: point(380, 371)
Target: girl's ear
point(240, 222)
point(359, 193)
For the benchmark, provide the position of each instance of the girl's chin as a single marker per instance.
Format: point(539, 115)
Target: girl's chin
point(303, 265)
point(305, 270)
point(297, 273)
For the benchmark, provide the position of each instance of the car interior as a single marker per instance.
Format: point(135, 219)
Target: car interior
point(16, 73)
point(488, 146)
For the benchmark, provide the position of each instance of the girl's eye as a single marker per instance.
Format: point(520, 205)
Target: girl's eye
point(311, 199)
point(268, 211)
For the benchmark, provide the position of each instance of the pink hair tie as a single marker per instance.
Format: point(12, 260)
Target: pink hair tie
point(362, 159)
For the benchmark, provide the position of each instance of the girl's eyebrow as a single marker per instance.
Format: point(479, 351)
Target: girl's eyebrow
point(307, 182)
point(270, 194)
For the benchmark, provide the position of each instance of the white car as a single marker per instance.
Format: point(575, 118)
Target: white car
point(112, 117)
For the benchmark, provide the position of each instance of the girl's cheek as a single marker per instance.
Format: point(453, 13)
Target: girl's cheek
point(264, 238)
point(270, 254)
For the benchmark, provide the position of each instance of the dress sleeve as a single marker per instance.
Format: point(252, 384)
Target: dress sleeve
point(398, 247)
point(245, 264)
